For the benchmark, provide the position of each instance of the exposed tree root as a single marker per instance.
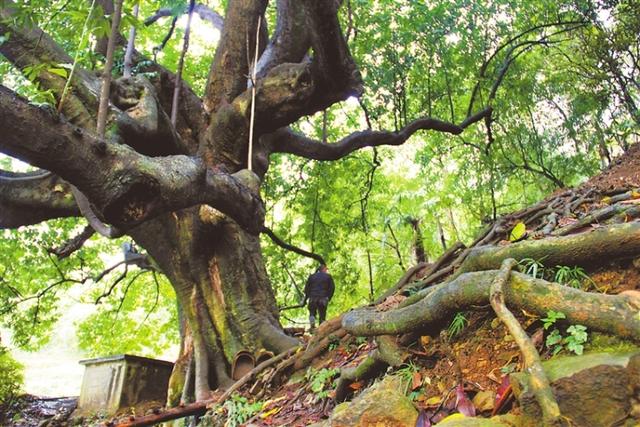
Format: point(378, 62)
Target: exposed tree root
point(594, 217)
point(314, 351)
point(403, 281)
point(539, 381)
point(388, 353)
point(590, 248)
point(326, 333)
point(616, 314)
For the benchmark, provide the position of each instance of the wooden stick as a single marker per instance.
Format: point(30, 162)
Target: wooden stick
point(253, 95)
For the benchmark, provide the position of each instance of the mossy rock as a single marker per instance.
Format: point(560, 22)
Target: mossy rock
point(499, 421)
point(383, 404)
point(597, 389)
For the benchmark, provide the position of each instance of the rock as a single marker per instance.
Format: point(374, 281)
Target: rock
point(499, 421)
point(592, 390)
point(383, 404)
point(484, 400)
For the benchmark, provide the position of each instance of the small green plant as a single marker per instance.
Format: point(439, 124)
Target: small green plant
point(406, 374)
point(239, 410)
point(552, 318)
point(532, 267)
point(574, 277)
point(576, 339)
point(457, 325)
point(321, 380)
point(509, 368)
point(334, 341)
point(556, 342)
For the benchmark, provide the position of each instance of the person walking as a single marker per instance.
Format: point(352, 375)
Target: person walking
point(319, 291)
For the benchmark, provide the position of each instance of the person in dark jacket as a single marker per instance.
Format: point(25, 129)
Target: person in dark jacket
point(318, 290)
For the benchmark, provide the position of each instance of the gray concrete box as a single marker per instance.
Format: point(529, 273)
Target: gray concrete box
point(118, 383)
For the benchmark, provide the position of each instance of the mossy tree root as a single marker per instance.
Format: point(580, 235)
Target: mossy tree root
point(388, 353)
point(586, 249)
point(326, 333)
point(539, 382)
point(617, 314)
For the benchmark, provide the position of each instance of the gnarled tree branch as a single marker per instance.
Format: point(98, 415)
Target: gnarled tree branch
point(30, 198)
point(128, 188)
point(286, 141)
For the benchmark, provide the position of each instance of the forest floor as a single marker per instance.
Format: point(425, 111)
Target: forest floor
point(476, 349)
point(32, 411)
point(469, 359)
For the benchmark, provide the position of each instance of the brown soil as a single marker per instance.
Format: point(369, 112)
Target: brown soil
point(624, 172)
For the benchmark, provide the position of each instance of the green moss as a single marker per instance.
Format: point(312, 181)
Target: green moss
point(600, 342)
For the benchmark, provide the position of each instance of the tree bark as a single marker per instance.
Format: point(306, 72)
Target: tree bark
point(222, 290)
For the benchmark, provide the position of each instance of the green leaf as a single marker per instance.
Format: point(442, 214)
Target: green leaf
point(554, 338)
point(59, 72)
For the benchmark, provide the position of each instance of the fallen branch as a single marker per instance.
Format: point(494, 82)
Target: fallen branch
point(539, 381)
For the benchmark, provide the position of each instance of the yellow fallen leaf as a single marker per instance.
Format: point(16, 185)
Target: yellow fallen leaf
point(269, 402)
point(270, 412)
point(606, 200)
point(432, 401)
point(453, 417)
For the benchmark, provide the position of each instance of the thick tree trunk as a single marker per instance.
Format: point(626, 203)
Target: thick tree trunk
point(223, 293)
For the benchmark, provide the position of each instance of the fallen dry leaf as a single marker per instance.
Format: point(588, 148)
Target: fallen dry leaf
point(416, 381)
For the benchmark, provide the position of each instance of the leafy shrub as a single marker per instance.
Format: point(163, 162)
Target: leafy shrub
point(239, 410)
point(556, 342)
point(321, 380)
point(11, 377)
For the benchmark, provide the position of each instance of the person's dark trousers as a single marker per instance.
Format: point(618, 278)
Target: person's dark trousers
point(318, 305)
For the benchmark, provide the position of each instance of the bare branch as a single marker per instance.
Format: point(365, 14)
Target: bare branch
point(278, 241)
point(230, 67)
point(204, 11)
point(113, 285)
point(74, 244)
point(286, 141)
point(178, 82)
point(290, 40)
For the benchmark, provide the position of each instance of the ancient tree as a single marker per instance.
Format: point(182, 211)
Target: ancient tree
point(188, 190)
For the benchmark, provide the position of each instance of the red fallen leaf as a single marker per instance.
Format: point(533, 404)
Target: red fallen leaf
point(423, 419)
point(356, 386)
point(416, 381)
point(502, 394)
point(463, 404)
